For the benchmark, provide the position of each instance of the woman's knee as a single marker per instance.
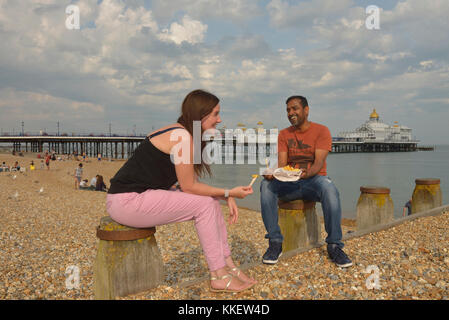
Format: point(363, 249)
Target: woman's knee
point(209, 204)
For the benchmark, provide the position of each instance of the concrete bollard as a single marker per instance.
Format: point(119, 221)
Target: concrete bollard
point(427, 195)
point(299, 224)
point(128, 260)
point(374, 207)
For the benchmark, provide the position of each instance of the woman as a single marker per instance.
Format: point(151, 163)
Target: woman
point(139, 195)
point(99, 184)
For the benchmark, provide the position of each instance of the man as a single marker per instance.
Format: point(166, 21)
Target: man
point(47, 161)
point(304, 145)
point(407, 208)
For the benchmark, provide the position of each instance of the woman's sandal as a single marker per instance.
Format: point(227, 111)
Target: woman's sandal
point(238, 271)
point(225, 289)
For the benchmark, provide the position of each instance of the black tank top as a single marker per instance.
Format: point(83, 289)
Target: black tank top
point(148, 168)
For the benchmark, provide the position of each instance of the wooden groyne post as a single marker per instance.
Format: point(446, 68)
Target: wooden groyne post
point(426, 195)
point(374, 207)
point(128, 260)
point(299, 224)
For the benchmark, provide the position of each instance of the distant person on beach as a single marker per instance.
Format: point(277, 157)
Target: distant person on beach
point(4, 167)
point(47, 161)
point(99, 157)
point(304, 145)
point(32, 167)
point(407, 208)
point(93, 182)
point(139, 195)
point(99, 184)
point(16, 166)
point(84, 184)
point(78, 175)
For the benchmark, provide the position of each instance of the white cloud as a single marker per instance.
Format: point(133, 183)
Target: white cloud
point(238, 11)
point(284, 15)
point(26, 105)
point(190, 31)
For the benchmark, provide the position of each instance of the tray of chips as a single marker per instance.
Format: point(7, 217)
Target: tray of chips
point(287, 174)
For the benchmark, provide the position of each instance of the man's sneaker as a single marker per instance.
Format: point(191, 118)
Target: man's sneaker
point(273, 253)
point(338, 256)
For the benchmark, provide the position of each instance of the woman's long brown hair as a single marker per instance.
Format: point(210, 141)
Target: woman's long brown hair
point(196, 105)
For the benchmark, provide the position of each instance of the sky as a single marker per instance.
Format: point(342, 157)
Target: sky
point(131, 63)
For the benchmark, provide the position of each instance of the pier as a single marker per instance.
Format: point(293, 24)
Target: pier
point(123, 147)
point(108, 147)
point(361, 146)
point(426, 148)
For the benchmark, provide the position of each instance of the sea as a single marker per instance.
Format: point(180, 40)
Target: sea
point(349, 171)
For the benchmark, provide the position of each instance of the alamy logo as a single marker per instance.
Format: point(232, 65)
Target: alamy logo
point(372, 282)
point(72, 280)
point(249, 143)
point(372, 22)
point(73, 20)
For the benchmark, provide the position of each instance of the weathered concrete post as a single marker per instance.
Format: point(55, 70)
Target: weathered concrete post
point(374, 207)
point(128, 260)
point(299, 224)
point(427, 195)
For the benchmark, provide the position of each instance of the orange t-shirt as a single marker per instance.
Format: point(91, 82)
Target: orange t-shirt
point(301, 146)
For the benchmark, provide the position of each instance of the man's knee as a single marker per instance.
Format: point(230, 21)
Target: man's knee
point(267, 186)
point(328, 188)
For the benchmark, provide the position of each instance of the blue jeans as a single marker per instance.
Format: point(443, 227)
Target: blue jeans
point(317, 188)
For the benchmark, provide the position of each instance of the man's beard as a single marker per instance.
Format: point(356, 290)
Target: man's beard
point(298, 122)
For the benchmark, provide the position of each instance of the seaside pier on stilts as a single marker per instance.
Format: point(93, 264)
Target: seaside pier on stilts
point(108, 147)
point(359, 146)
point(123, 147)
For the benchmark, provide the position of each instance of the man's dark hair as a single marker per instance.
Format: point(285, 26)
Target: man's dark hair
point(301, 99)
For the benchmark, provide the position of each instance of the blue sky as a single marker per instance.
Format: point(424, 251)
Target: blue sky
point(132, 62)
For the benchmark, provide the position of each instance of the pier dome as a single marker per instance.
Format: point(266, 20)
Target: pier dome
point(374, 115)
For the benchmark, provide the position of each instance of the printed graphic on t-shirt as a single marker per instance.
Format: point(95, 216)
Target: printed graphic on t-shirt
point(300, 154)
point(297, 144)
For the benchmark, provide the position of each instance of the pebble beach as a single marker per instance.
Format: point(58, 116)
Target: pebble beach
point(47, 227)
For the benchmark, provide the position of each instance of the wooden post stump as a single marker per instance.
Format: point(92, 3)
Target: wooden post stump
point(128, 260)
point(374, 207)
point(427, 195)
point(299, 224)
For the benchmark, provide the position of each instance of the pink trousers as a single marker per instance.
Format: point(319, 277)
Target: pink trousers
point(158, 207)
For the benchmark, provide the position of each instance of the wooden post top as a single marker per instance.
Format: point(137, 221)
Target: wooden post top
point(111, 230)
point(427, 181)
point(296, 205)
point(374, 190)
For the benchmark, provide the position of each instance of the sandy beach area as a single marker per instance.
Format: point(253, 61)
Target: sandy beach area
point(47, 226)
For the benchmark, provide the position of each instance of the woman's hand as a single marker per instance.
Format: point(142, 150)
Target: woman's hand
point(233, 210)
point(240, 192)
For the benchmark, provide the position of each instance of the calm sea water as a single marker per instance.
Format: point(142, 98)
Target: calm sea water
point(350, 171)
